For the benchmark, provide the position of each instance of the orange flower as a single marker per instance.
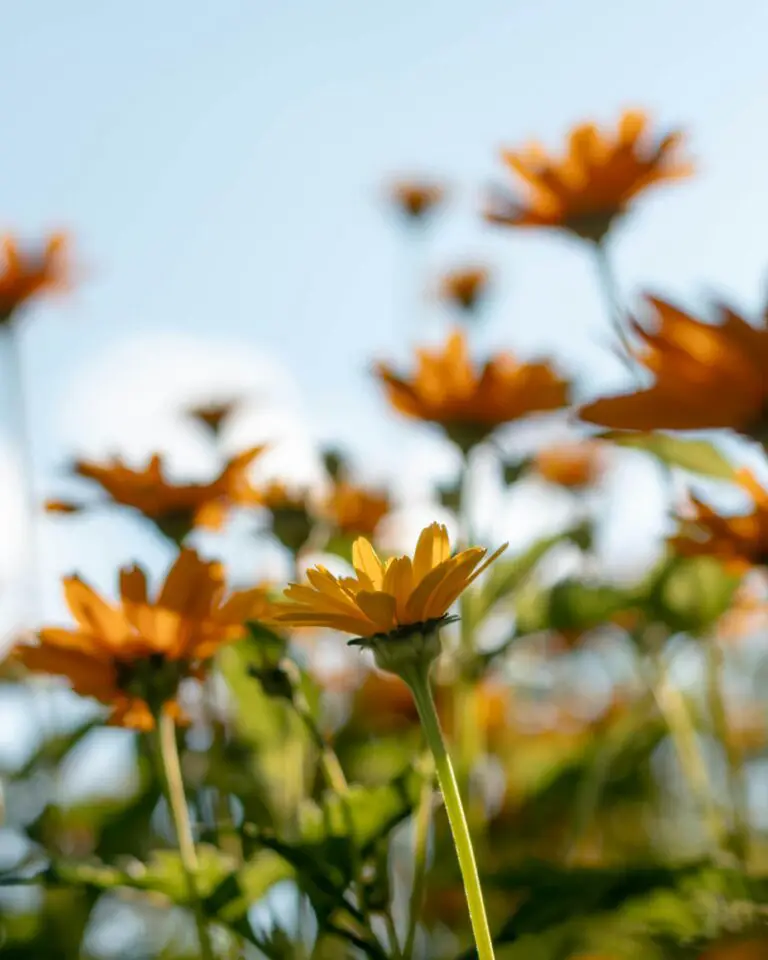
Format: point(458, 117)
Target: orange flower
point(23, 276)
point(133, 656)
point(354, 510)
point(289, 512)
point(571, 465)
point(595, 182)
point(213, 415)
point(707, 376)
point(174, 508)
point(469, 403)
point(417, 199)
point(740, 542)
point(465, 288)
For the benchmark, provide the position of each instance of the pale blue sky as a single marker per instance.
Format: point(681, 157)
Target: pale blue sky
point(220, 166)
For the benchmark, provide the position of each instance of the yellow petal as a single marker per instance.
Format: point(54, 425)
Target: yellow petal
point(417, 602)
point(98, 617)
point(453, 583)
point(486, 563)
point(432, 549)
point(398, 583)
point(366, 562)
point(380, 608)
point(358, 625)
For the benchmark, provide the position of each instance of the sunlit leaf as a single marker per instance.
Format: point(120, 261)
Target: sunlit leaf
point(695, 456)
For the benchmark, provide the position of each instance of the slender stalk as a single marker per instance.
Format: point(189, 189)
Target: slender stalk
point(739, 840)
point(674, 709)
point(422, 827)
point(612, 296)
point(174, 788)
point(422, 694)
point(394, 944)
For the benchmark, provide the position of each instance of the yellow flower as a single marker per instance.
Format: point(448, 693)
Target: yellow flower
point(354, 510)
point(465, 287)
point(385, 597)
point(133, 656)
point(23, 276)
point(741, 542)
point(174, 508)
point(416, 199)
point(706, 376)
point(594, 183)
point(470, 402)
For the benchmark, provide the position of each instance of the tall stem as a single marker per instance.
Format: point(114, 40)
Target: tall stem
point(174, 788)
point(612, 296)
point(674, 709)
point(422, 694)
point(736, 787)
point(422, 826)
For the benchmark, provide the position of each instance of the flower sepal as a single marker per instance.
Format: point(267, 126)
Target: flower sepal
point(409, 651)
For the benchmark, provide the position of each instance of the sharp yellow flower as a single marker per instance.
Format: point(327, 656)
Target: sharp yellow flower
point(132, 656)
point(594, 183)
point(386, 597)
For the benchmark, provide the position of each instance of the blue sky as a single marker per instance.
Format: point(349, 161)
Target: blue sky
point(220, 167)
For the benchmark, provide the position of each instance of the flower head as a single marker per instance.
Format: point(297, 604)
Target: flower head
point(355, 510)
point(213, 415)
point(573, 465)
point(174, 508)
point(24, 275)
point(465, 288)
point(739, 541)
point(706, 376)
point(416, 199)
point(470, 402)
point(133, 655)
point(289, 512)
point(595, 182)
point(387, 601)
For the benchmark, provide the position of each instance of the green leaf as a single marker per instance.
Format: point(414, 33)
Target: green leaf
point(692, 593)
point(507, 575)
point(696, 456)
point(340, 545)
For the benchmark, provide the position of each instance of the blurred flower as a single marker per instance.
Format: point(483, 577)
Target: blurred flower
point(747, 615)
point(175, 508)
point(573, 465)
point(213, 416)
point(737, 948)
point(416, 199)
point(465, 288)
point(707, 376)
point(63, 506)
point(25, 275)
point(469, 402)
point(133, 656)
point(355, 510)
point(291, 519)
point(740, 542)
point(384, 598)
point(594, 183)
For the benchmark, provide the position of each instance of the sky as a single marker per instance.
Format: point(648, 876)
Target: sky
point(221, 168)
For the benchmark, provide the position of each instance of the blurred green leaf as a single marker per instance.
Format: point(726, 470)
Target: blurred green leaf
point(691, 593)
point(696, 456)
point(340, 545)
point(574, 605)
point(506, 575)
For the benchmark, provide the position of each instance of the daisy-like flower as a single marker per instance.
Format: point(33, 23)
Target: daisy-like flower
point(213, 416)
point(416, 199)
point(741, 541)
point(354, 510)
point(594, 183)
point(572, 465)
point(387, 602)
point(24, 275)
point(467, 401)
point(465, 288)
point(706, 376)
point(133, 655)
point(174, 508)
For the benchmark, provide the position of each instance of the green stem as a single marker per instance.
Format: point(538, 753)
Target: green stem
point(610, 289)
point(422, 826)
point(422, 694)
point(674, 709)
point(174, 788)
point(740, 836)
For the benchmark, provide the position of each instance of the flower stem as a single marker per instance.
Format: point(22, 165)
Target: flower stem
point(174, 788)
point(422, 826)
point(610, 289)
point(739, 840)
point(422, 694)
